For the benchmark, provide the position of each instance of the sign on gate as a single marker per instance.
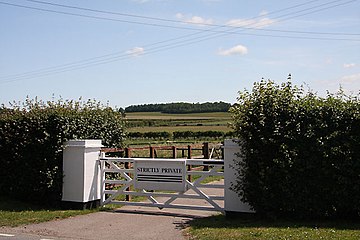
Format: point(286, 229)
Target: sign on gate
point(165, 175)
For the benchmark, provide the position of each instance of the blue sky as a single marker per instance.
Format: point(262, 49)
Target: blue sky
point(150, 51)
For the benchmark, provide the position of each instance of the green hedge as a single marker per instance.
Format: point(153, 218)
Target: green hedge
point(200, 134)
point(301, 152)
point(152, 135)
point(31, 143)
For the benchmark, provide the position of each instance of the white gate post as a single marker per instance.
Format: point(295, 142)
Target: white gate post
point(233, 203)
point(82, 176)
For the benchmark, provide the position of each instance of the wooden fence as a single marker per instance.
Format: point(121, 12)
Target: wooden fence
point(207, 151)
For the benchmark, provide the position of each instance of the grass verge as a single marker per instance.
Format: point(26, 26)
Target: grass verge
point(219, 227)
point(14, 213)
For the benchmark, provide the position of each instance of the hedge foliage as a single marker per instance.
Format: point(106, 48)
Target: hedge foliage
point(301, 152)
point(31, 143)
point(200, 134)
point(147, 135)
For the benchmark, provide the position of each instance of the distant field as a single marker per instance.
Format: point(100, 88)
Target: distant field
point(172, 129)
point(188, 116)
point(159, 122)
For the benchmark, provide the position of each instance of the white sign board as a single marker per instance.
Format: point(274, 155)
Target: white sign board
point(160, 174)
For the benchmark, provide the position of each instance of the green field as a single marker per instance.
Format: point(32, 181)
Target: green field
point(247, 228)
point(172, 129)
point(14, 213)
point(158, 122)
point(187, 116)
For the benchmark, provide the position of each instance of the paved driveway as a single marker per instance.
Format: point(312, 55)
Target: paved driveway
point(127, 223)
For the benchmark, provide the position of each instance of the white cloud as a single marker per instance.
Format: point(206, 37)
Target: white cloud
point(349, 65)
point(179, 16)
point(237, 50)
point(350, 78)
point(263, 13)
point(194, 19)
point(136, 51)
point(199, 20)
point(261, 22)
point(251, 23)
point(329, 61)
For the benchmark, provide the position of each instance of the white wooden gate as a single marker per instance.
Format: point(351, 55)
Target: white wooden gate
point(118, 179)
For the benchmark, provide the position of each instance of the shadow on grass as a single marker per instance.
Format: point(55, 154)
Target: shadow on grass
point(220, 221)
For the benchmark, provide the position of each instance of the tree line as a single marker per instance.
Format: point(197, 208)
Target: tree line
point(180, 107)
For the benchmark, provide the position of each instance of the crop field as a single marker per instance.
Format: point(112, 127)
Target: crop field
point(157, 122)
point(187, 116)
point(172, 129)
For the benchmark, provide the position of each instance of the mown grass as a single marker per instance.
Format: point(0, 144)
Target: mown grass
point(250, 228)
point(208, 179)
point(14, 213)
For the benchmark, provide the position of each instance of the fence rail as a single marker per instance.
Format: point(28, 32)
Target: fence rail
point(207, 151)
